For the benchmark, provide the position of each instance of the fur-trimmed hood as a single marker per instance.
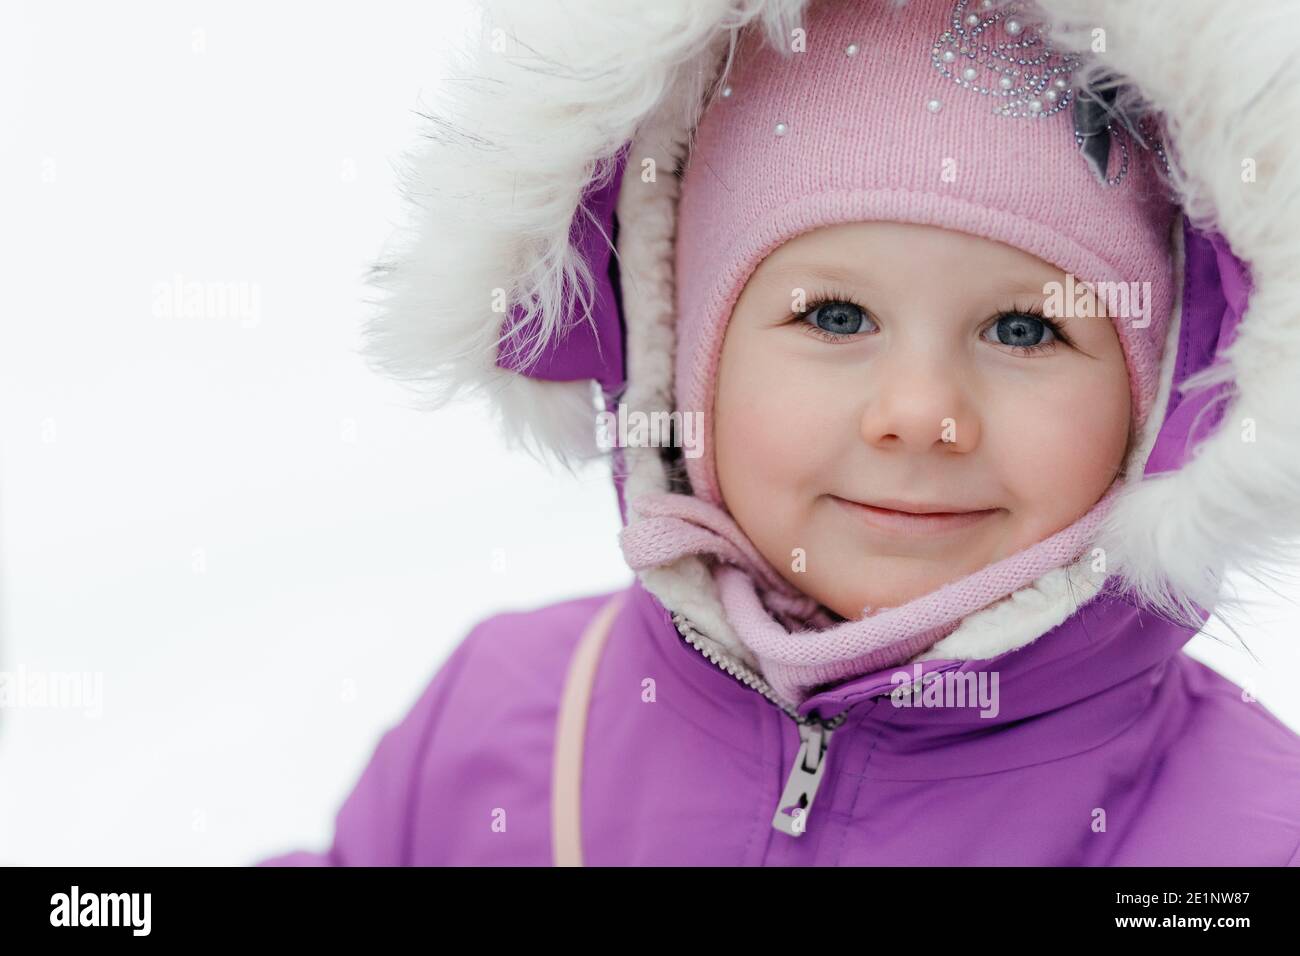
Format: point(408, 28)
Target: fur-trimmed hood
point(536, 268)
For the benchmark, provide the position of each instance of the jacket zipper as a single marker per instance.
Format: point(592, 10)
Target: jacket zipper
point(805, 776)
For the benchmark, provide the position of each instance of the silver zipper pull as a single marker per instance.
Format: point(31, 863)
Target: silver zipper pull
point(791, 815)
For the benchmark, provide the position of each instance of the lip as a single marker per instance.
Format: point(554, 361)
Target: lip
point(928, 523)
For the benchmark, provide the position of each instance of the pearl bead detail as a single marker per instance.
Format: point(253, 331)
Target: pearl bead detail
point(851, 49)
point(1024, 66)
point(934, 106)
point(781, 129)
point(726, 91)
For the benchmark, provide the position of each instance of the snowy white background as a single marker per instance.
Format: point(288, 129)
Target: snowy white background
point(260, 546)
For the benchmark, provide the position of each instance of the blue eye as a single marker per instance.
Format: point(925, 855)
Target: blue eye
point(1021, 329)
point(1027, 332)
point(833, 319)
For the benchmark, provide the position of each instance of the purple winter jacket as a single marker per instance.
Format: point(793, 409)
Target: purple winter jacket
point(1109, 745)
point(1108, 716)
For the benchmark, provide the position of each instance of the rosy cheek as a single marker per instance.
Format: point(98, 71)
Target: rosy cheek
point(1060, 451)
point(761, 423)
point(752, 433)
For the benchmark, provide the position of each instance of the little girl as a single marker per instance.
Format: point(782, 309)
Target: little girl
point(989, 406)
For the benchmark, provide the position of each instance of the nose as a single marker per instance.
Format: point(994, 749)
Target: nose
point(919, 401)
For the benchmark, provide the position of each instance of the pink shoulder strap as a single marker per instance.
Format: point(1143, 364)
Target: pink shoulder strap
point(570, 731)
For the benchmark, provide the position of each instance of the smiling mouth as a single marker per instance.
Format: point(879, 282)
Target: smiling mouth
point(913, 524)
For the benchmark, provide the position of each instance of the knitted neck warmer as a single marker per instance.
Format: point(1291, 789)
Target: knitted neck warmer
point(797, 642)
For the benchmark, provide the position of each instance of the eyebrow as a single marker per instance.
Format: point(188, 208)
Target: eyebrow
point(827, 273)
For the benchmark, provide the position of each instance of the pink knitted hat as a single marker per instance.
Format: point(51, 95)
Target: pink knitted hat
point(862, 123)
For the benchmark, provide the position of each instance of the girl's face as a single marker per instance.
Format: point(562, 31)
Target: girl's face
point(910, 376)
